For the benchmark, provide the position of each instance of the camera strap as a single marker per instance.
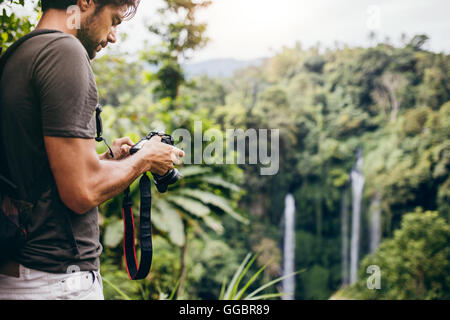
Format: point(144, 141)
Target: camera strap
point(99, 126)
point(145, 233)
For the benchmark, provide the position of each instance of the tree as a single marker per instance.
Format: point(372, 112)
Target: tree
point(12, 25)
point(414, 264)
point(418, 42)
point(180, 35)
point(394, 83)
point(118, 80)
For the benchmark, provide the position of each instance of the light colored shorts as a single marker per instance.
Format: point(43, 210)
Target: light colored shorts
point(39, 285)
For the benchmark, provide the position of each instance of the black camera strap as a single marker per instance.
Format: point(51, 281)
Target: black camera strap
point(145, 224)
point(145, 233)
point(99, 125)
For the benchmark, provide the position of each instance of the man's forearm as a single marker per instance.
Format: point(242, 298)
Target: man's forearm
point(84, 181)
point(114, 176)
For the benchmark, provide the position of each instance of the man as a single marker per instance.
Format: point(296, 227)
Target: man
point(49, 96)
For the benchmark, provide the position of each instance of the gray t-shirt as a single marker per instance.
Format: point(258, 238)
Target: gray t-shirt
point(48, 89)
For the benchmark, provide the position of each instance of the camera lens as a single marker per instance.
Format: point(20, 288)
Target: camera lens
point(162, 182)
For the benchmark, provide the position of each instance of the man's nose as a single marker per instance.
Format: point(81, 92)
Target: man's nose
point(112, 35)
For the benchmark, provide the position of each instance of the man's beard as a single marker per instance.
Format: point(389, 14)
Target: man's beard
point(83, 34)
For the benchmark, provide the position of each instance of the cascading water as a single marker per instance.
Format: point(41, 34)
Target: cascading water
point(288, 284)
point(375, 222)
point(357, 179)
point(345, 238)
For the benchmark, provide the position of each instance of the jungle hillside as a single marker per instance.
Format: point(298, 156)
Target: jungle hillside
point(364, 160)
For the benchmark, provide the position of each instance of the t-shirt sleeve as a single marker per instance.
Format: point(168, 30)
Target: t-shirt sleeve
point(65, 83)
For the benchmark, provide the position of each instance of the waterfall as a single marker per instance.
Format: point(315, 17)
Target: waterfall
point(357, 179)
point(288, 284)
point(375, 222)
point(345, 238)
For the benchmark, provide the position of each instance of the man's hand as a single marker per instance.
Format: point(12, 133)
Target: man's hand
point(163, 156)
point(120, 148)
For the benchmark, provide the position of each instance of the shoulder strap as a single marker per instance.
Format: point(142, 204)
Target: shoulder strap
point(19, 42)
point(7, 186)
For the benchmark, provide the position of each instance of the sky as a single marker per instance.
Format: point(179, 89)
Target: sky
point(249, 29)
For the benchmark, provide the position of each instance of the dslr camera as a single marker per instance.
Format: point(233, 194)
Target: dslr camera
point(172, 176)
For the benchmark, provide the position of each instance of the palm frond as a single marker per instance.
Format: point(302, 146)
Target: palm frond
point(194, 170)
point(214, 224)
point(113, 234)
point(194, 207)
point(169, 215)
point(215, 200)
point(219, 181)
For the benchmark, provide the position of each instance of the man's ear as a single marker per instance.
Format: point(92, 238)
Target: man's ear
point(85, 5)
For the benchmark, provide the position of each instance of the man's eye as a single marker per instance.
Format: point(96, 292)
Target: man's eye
point(117, 21)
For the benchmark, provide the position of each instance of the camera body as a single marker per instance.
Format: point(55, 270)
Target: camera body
point(172, 176)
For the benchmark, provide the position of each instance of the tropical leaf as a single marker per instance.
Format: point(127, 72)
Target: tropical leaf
point(232, 292)
point(234, 281)
point(194, 170)
point(269, 296)
point(219, 181)
point(215, 200)
point(214, 224)
point(173, 220)
point(252, 295)
point(116, 288)
point(159, 220)
point(113, 233)
point(194, 207)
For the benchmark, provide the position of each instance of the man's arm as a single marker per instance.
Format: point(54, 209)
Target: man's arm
point(84, 181)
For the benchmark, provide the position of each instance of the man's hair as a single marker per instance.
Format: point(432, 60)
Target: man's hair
point(132, 5)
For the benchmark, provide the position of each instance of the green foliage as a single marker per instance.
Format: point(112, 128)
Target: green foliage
point(118, 80)
point(414, 264)
point(13, 25)
point(393, 102)
point(180, 35)
point(234, 292)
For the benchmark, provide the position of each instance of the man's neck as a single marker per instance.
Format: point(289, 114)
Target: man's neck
point(56, 20)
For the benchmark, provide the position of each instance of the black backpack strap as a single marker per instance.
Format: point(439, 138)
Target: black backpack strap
point(145, 234)
point(19, 42)
point(7, 186)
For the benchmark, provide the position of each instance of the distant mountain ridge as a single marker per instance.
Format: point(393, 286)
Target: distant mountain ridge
point(218, 68)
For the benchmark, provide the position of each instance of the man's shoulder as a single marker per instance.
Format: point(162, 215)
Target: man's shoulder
point(60, 43)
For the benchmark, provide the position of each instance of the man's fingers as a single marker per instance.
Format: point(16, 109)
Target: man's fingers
point(124, 141)
point(175, 160)
point(125, 149)
point(176, 155)
point(178, 152)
